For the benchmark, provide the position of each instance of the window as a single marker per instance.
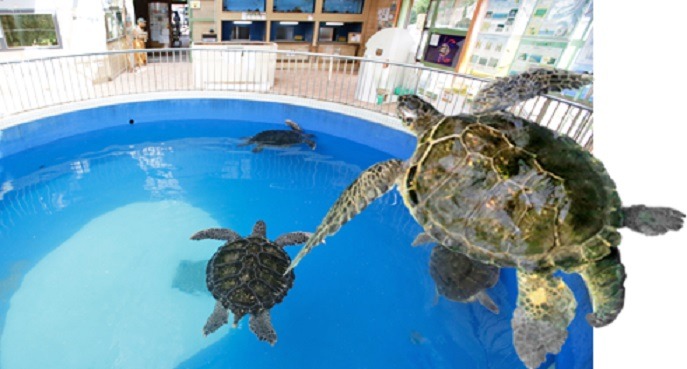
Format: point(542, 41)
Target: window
point(241, 33)
point(343, 6)
point(285, 33)
point(114, 24)
point(29, 30)
point(243, 5)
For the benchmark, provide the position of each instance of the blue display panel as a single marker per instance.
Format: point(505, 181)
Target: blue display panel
point(340, 32)
point(243, 5)
point(303, 31)
point(294, 6)
point(255, 31)
point(343, 6)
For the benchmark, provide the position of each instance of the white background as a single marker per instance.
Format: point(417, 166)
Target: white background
point(640, 65)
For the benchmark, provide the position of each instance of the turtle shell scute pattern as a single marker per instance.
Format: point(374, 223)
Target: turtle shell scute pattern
point(507, 191)
point(278, 138)
point(247, 275)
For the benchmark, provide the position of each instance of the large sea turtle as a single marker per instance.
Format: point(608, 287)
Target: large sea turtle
point(508, 192)
point(248, 276)
point(281, 138)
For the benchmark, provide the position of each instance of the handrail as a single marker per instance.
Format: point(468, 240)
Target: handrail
point(364, 83)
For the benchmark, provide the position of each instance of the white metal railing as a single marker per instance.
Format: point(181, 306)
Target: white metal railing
point(368, 84)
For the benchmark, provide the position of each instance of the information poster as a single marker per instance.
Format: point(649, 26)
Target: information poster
point(536, 53)
point(556, 18)
point(455, 14)
point(504, 22)
point(501, 16)
point(489, 56)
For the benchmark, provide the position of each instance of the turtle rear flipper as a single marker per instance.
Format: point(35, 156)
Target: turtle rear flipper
point(261, 325)
point(486, 301)
point(374, 182)
point(218, 318)
point(246, 141)
point(223, 234)
point(310, 143)
point(652, 221)
point(604, 279)
point(508, 91)
point(545, 308)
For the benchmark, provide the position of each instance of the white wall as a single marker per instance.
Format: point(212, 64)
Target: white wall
point(641, 136)
point(81, 25)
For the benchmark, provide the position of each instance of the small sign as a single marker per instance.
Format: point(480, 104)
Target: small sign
point(194, 4)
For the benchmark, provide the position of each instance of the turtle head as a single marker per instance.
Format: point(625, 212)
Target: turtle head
point(416, 114)
point(259, 229)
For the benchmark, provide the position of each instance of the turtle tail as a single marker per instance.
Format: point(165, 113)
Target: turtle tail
point(508, 91)
point(652, 221)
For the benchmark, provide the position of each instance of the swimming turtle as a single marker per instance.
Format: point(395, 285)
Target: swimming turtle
point(281, 138)
point(459, 278)
point(508, 192)
point(247, 276)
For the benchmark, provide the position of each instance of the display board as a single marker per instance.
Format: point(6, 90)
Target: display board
point(516, 35)
point(454, 14)
point(536, 53)
point(503, 23)
point(556, 18)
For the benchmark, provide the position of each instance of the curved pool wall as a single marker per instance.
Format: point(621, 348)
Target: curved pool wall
point(338, 120)
point(379, 134)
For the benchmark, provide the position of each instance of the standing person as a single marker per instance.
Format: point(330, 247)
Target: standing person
point(140, 38)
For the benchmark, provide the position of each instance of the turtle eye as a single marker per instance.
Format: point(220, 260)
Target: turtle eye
point(412, 104)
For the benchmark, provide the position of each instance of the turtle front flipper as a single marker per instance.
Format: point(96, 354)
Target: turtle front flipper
point(459, 278)
point(370, 185)
point(294, 126)
point(652, 221)
point(293, 238)
point(604, 279)
point(223, 234)
point(261, 324)
point(218, 318)
point(508, 91)
point(545, 308)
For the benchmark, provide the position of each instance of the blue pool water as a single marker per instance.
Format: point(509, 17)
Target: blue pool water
point(97, 269)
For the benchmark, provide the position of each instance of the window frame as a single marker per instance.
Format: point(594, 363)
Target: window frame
point(3, 39)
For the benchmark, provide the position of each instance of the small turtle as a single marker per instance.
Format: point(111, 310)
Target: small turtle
point(281, 138)
point(247, 276)
point(459, 278)
point(508, 192)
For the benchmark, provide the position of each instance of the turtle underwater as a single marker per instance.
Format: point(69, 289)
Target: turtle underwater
point(281, 138)
point(508, 192)
point(459, 278)
point(247, 276)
